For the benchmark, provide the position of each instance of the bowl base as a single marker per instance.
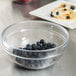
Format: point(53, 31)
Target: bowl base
point(19, 66)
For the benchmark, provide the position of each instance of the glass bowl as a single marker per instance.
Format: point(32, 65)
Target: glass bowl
point(15, 37)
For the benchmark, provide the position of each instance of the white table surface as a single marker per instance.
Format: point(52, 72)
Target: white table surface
point(66, 66)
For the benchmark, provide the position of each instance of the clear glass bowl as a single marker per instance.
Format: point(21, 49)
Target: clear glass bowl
point(18, 35)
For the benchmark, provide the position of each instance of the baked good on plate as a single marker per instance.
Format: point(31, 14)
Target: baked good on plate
point(64, 12)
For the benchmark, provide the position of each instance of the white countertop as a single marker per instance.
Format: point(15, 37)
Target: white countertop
point(66, 66)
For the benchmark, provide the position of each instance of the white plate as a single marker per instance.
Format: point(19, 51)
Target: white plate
point(44, 13)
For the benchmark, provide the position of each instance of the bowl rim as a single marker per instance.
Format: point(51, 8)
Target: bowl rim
point(51, 23)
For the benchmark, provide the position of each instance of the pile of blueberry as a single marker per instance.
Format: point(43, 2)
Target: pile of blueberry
point(35, 64)
point(31, 63)
point(40, 45)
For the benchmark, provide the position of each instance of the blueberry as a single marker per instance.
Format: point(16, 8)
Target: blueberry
point(67, 17)
point(48, 45)
point(34, 46)
point(44, 54)
point(42, 41)
point(18, 60)
point(35, 55)
point(57, 13)
point(15, 51)
point(23, 53)
point(28, 47)
point(38, 43)
point(20, 52)
point(39, 48)
point(35, 63)
point(72, 7)
point(65, 9)
point(45, 47)
point(44, 44)
point(51, 14)
point(53, 45)
point(29, 54)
